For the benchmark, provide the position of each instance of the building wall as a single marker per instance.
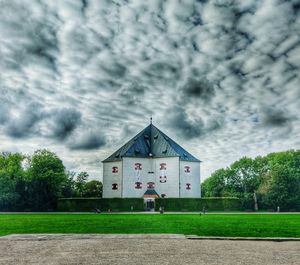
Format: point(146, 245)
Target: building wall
point(170, 175)
point(112, 174)
point(190, 179)
point(165, 176)
point(134, 173)
point(167, 173)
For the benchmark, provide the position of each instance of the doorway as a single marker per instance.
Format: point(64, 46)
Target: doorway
point(150, 205)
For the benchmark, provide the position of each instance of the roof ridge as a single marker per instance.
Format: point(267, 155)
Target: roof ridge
point(170, 139)
point(126, 144)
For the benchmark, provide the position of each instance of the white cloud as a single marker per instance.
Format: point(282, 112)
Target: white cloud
point(221, 76)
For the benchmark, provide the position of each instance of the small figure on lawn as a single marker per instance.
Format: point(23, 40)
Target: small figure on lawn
point(97, 210)
point(161, 209)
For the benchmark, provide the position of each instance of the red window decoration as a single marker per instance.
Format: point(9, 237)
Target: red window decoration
point(187, 169)
point(114, 186)
point(163, 179)
point(163, 166)
point(188, 186)
point(138, 185)
point(115, 170)
point(138, 166)
point(150, 185)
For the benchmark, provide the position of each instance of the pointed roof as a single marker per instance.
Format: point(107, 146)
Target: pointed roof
point(151, 193)
point(151, 142)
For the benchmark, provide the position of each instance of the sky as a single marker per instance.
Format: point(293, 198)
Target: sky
point(82, 77)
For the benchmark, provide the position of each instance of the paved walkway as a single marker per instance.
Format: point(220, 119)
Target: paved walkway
point(142, 249)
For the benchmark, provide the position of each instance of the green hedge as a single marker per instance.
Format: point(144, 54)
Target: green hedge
point(197, 204)
point(104, 204)
point(169, 204)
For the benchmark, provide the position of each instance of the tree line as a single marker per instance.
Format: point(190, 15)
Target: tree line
point(34, 183)
point(265, 182)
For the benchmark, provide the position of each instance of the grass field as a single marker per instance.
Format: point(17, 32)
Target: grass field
point(265, 225)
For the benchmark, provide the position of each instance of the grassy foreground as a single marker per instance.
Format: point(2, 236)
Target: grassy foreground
point(277, 225)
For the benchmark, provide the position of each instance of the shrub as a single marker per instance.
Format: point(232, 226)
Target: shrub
point(198, 204)
point(104, 204)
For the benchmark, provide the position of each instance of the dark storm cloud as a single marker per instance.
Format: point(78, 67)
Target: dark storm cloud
point(201, 68)
point(179, 121)
point(87, 140)
point(191, 126)
point(201, 89)
point(34, 40)
point(276, 117)
point(23, 122)
point(3, 113)
point(64, 122)
point(115, 70)
point(85, 5)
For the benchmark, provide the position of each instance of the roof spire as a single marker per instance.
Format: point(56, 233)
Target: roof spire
point(151, 119)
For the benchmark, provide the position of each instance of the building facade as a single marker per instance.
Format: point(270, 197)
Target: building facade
point(151, 165)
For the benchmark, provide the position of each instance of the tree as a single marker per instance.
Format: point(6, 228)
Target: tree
point(214, 186)
point(8, 194)
point(11, 172)
point(247, 174)
point(267, 182)
point(47, 176)
point(69, 186)
point(93, 188)
point(282, 188)
point(81, 180)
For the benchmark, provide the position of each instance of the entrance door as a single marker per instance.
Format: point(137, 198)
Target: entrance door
point(150, 205)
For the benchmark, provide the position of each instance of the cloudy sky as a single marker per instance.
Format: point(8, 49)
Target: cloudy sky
point(81, 77)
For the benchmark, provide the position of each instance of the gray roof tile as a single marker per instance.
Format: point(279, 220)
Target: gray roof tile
point(151, 142)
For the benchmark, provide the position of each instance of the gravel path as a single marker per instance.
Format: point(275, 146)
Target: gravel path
point(142, 249)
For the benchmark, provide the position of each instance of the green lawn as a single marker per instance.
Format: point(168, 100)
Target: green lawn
point(264, 225)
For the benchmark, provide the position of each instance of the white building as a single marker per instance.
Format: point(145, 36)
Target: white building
point(151, 165)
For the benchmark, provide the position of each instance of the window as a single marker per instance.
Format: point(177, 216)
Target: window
point(114, 186)
point(163, 166)
point(115, 169)
point(138, 166)
point(138, 185)
point(163, 195)
point(163, 179)
point(187, 169)
point(150, 185)
point(188, 186)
